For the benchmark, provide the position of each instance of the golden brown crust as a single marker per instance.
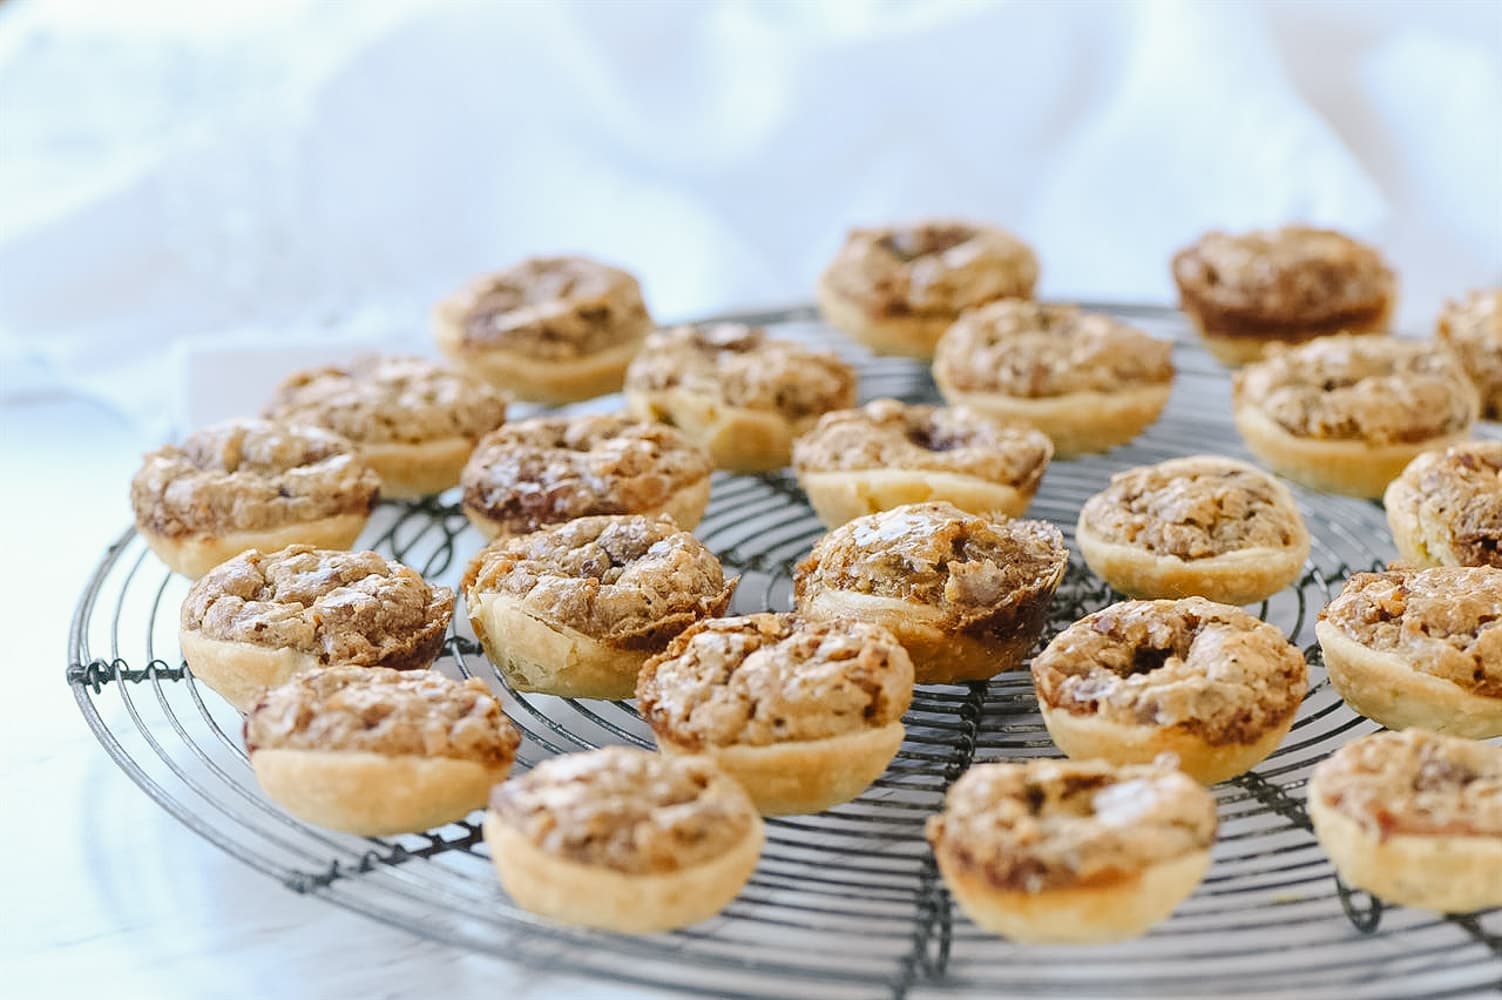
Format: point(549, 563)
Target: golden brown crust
point(1445, 622)
point(345, 608)
point(1472, 329)
point(1446, 507)
point(536, 472)
point(1052, 825)
point(1208, 669)
point(1414, 783)
point(389, 712)
point(250, 475)
point(774, 678)
point(627, 810)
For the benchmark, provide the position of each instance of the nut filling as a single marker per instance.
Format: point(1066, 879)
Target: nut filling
point(1472, 329)
point(1459, 491)
point(249, 475)
point(741, 366)
point(773, 678)
point(1209, 669)
point(1445, 622)
point(1054, 824)
point(1415, 783)
point(627, 810)
point(346, 608)
point(887, 434)
point(389, 400)
point(633, 582)
point(1194, 508)
point(1030, 350)
point(389, 712)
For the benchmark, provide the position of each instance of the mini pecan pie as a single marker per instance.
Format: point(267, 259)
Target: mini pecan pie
point(888, 453)
point(1207, 682)
point(966, 594)
point(1419, 647)
point(743, 395)
point(258, 619)
point(803, 714)
point(1086, 380)
point(623, 839)
point(1414, 818)
point(1346, 414)
point(413, 421)
point(533, 473)
point(376, 752)
point(897, 288)
point(1472, 330)
point(1072, 852)
point(1202, 526)
point(250, 484)
point(1446, 507)
point(576, 609)
point(549, 329)
point(1248, 290)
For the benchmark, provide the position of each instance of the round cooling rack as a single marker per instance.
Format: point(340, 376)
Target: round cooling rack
point(846, 903)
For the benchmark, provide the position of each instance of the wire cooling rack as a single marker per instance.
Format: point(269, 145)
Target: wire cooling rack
point(846, 903)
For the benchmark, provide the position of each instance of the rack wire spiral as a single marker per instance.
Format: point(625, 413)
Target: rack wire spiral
point(846, 903)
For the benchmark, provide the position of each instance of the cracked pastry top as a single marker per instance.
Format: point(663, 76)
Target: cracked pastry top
point(1030, 350)
point(1457, 494)
point(550, 469)
point(1415, 783)
point(980, 573)
point(1056, 824)
point(1197, 507)
point(1380, 390)
point(385, 399)
point(632, 582)
point(249, 475)
point(549, 309)
point(392, 712)
point(740, 366)
point(930, 268)
point(627, 810)
point(1472, 329)
point(887, 434)
point(1445, 622)
point(1283, 280)
point(345, 608)
point(1207, 668)
point(774, 678)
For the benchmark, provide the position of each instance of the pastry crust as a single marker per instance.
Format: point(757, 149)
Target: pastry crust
point(1202, 526)
point(1086, 380)
point(1414, 818)
point(533, 473)
point(1446, 507)
point(898, 288)
point(193, 556)
point(1472, 330)
point(738, 393)
point(966, 595)
point(888, 453)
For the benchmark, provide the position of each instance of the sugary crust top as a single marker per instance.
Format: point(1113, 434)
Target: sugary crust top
point(549, 308)
point(627, 810)
point(1207, 668)
point(392, 712)
point(1058, 824)
point(1379, 390)
point(250, 475)
point(345, 608)
point(1457, 493)
point(774, 678)
point(1027, 349)
point(630, 581)
point(384, 399)
point(1472, 328)
point(1445, 622)
point(1196, 508)
point(551, 469)
point(887, 434)
point(1415, 783)
point(931, 268)
point(741, 366)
